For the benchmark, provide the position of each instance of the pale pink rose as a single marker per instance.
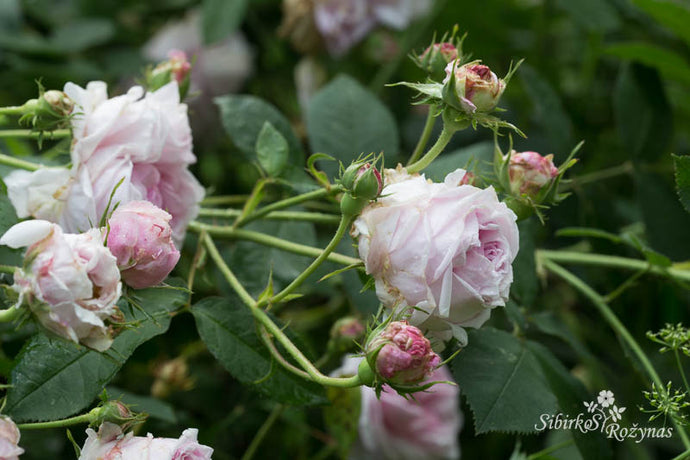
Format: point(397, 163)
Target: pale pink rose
point(401, 354)
point(426, 426)
point(111, 443)
point(70, 281)
point(445, 248)
point(529, 172)
point(9, 439)
point(143, 140)
point(140, 237)
point(477, 87)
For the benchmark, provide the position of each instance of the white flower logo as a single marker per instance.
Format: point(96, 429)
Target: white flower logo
point(616, 413)
point(606, 398)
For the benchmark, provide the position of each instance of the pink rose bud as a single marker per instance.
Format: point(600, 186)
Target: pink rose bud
point(111, 442)
point(176, 68)
point(400, 354)
point(345, 333)
point(363, 180)
point(140, 237)
point(436, 57)
point(70, 282)
point(476, 86)
point(530, 172)
point(9, 439)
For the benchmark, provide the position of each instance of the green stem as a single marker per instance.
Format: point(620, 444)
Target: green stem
point(12, 110)
point(424, 139)
point(271, 241)
point(251, 450)
point(271, 327)
point(614, 171)
point(343, 227)
point(434, 151)
point(9, 315)
point(286, 203)
point(610, 261)
point(8, 269)
point(17, 163)
point(682, 371)
point(84, 418)
point(613, 321)
point(550, 449)
point(225, 199)
point(684, 456)
point(316, 217)
point(31, 134)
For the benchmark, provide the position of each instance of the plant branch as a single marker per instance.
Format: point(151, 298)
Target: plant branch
point(424, 138)
point(31, 134)
point(317, 217)
point(268, 423)
point(681, 370)
point(84, 418)
point(271, 241)
point(613, 321)
point(434, 151)
point(17, 163)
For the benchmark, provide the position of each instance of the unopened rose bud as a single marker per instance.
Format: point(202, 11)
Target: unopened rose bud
point(436, 57)
point(400, 354)
point(58, 102)
point(530, 172)
point(345, 333)
point(476, 86)
point(176, 68)
point(172, 375)
point(49, 111)
point(362, 180)
point(118, 413)
point(9, 439)
point(140, 237)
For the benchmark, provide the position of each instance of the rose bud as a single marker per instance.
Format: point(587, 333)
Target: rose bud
point(172, 375)
point(345, 333)
point(9, 439)
point(476, 86)
point(111, 442)
point(436, 57)
point(116, 412)
point(530, 172)
point(140, 238)
point(49, 111)
point(400, 354)
point(176, 68)
point(70, 282)
point(444, 248)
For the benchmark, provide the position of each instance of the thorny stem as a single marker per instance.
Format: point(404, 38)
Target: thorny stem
point(271, 327)
point(84, 418)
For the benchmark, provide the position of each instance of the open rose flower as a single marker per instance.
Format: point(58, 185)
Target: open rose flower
point(398, 428)
point(111, 443)
point(477, 87)
point(140, 238)
point(445, 248)
point(9, 439)
point(131, 147)
point(70, 282)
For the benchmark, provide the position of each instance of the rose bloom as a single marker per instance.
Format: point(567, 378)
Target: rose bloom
point(70, 282)
point(111, 443)
point(445, 248)
point(131, 147)
point(529, 172)
point(425, 426)
point(9, 439)
point(140, 237)
point(477, 87)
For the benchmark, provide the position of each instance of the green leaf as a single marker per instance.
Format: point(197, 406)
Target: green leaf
point(549, 112)
point(345, 120)
point(272, 150)
point(243, 119)
point(673, 15)
point(525, 285)
point(221, 18)
point(55, 378)
point(593, 15)
point(571, 394)
point(8, 217)
point(155, 408)
point(503, 382)
point(228, 329)
point(642, 112)
point(681, 165)
point(669, 63)
point(82, 34)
